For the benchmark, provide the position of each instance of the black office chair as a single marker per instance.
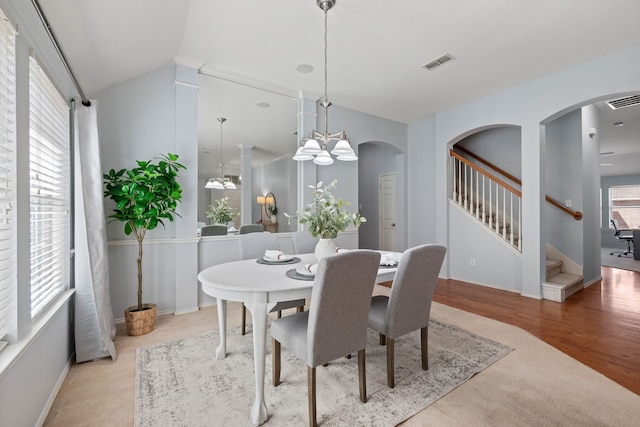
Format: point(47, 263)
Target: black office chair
point(622, 234)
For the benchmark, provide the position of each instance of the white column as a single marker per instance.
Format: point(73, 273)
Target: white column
point(186, 146)
point(247, 182)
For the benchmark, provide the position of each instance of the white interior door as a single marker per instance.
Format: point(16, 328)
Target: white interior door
point(387, 211)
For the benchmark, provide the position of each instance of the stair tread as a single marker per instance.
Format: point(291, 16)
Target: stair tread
point(552, 263)
point(565, 279)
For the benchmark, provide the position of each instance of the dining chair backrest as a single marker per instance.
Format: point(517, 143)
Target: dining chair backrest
point(213, 230)
point(409, 306)
point(303, 242)
point(251, 228)
point(339, 306)
point(254, 245)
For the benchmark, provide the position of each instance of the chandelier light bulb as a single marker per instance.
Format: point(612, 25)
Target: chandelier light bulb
point(323, 159)
point(301, 156)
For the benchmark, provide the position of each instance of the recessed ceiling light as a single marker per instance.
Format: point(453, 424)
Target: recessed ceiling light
point(618, 124)
point(304, 68)
point(606, 164)
point(263, 104)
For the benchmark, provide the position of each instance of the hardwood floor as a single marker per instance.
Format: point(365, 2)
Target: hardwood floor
point(599, 326)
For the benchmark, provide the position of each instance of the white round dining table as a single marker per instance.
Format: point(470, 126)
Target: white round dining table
point(259, 287)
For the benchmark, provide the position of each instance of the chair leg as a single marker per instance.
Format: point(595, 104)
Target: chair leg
point(390, 377)
point(362, 375)
point(275, 362)
point(311, 393)
point(424, 347)
point(383, 339)
point(244, 319)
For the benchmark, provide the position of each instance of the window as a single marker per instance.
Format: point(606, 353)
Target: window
point(624, 205)
point(8, 278)
point(49, 189)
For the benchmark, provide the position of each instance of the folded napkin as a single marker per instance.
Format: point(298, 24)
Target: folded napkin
point(271, 255)
point(307, 269)
point(388, 260)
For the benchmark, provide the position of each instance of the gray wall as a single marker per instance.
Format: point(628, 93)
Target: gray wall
point(280, 178)
point(378, 160)
point(501, 145)
point(563, 163)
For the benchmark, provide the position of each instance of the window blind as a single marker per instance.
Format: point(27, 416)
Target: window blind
point(49, 159)
point(8, 278)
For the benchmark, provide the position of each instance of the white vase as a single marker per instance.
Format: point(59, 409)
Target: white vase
point(325, 247)
point(274, 219)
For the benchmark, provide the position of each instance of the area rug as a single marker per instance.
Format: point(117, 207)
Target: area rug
point(180, 383)
point(625, 262)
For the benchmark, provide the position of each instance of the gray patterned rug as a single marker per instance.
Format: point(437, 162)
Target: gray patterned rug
point(180, 383)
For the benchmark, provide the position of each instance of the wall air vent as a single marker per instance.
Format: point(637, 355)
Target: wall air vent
point(627, 101)
point(438, 61)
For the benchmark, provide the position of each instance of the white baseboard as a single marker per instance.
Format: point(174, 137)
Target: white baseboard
point(54, 392)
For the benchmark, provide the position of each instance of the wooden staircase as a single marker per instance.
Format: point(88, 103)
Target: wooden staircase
point(560, 285)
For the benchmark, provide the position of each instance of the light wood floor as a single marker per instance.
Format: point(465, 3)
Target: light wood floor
point(599, 326)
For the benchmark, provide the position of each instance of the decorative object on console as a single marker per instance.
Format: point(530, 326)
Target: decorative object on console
point(315, 147)
point(221, 182)
point(144, 196)
point(221, 212)
point(268, 206)
point(325, 216)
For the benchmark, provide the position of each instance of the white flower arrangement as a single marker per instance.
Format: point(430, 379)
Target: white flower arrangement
point(221, 213)
point(325, 216)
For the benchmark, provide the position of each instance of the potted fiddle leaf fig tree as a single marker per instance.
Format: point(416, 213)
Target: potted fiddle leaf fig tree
point(145, 196)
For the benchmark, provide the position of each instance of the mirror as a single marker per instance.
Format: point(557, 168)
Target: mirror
point(265, 124)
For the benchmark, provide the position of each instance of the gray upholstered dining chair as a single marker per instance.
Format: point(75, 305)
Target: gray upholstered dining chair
point(254, 245)
point(336, 323)
point(408, 307)
point(213, 230)
point(303, 242)
point(251, 228)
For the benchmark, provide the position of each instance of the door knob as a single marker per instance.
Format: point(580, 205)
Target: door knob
point(393, 224)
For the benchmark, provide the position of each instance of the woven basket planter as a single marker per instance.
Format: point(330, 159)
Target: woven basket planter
point(140, 322)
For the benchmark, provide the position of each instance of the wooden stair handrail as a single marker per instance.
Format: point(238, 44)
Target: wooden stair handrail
point(487, 174)
point(491, 165)
point(577, 215)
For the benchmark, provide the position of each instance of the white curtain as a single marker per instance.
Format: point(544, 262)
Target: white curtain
point(94, 324)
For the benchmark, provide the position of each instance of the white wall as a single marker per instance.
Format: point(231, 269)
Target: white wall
point(529, 106)
point(477, 255)
point(29, 381)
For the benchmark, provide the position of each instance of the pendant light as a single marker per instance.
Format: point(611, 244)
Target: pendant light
point(220, 183)
point(315, 147)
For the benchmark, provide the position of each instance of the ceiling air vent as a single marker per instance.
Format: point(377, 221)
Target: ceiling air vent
point(438, 61)
point(627, 101)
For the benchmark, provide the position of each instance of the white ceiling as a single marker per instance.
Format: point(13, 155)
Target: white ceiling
point(376, 48)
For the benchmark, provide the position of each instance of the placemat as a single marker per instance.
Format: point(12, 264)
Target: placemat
point(293, 274)
point(293, 260)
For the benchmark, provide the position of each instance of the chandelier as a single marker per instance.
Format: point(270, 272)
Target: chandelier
point(315, 147)
point(220, 183)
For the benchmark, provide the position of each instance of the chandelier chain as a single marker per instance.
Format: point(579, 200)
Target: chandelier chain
point(326, 98)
